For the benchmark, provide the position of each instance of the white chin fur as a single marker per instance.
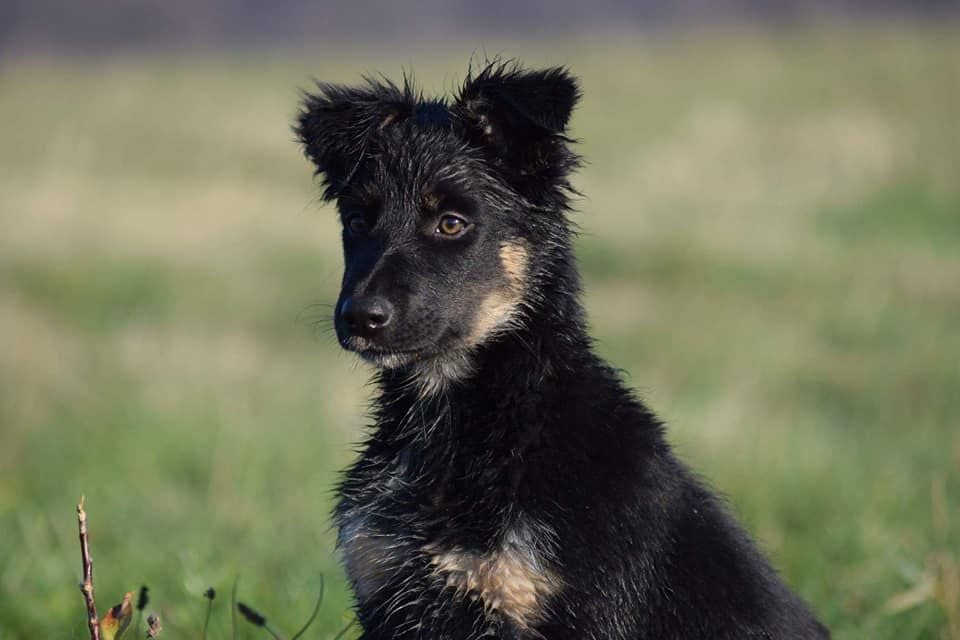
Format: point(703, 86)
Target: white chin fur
point(386, 360)
point(430, 376)
point(433, 376)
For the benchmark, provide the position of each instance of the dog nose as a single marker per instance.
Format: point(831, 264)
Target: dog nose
point(366, 315)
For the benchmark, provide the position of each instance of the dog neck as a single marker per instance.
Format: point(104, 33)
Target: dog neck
point(544, 353)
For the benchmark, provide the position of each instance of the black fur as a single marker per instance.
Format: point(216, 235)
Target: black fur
point(511, 487)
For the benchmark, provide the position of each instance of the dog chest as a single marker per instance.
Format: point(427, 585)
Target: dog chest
point(514, 580)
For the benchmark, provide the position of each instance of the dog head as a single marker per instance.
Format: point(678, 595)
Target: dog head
point(449, 209)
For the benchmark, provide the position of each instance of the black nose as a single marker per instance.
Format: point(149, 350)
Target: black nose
point(366, 315)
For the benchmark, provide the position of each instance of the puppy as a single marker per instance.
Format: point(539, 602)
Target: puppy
point(511, 487)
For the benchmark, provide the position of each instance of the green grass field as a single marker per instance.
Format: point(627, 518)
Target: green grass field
point(771, 247)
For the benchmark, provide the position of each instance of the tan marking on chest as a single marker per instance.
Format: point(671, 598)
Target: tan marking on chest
point(508, 581)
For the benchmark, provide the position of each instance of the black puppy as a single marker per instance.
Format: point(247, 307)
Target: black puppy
point(511, 486)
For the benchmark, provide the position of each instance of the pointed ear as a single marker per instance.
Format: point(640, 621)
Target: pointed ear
point(336, 125)
point(519, 118)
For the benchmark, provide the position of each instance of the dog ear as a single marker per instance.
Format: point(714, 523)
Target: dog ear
point(519, 118)
point(337, 124)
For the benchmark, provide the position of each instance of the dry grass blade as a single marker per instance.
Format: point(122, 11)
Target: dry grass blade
point(946, 590)
point(919, 593)
point(940, 582)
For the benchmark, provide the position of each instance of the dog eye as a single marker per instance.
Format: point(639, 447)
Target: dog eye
point(357, 225)
point(451, 226)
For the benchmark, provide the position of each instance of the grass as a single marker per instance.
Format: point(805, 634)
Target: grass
point(771, 252)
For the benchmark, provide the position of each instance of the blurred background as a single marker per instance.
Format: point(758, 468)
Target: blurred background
point(770, 240)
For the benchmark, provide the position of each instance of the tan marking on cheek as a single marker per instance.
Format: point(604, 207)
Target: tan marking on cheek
point(500, 305)
point(513, 257)
point(495, 311)
point(506, 581)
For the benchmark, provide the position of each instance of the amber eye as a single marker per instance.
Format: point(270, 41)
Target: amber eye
point(357, 225)
point(451, 226)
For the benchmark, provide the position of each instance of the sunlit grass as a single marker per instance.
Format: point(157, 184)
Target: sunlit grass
point(771, 253)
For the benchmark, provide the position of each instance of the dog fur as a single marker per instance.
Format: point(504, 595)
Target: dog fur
point(511, 487)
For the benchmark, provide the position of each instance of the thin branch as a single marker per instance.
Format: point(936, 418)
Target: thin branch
point(86, 587)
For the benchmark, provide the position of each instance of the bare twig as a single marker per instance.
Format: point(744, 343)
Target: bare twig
point(86, 587)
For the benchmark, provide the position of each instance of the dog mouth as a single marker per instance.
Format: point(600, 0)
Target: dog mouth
point(382, 357)
point(388, 359)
